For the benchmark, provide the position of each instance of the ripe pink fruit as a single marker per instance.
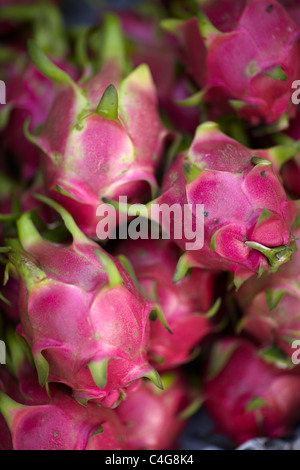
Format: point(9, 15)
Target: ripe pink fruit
point(154, 419)
point(257, 82)
point(183, 304)
point(246, 396)
point(84, 319)
point(247, 215)
point(62, 424)
point(101, 142)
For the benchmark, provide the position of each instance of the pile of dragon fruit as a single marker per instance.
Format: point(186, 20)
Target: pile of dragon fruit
point(117, 344)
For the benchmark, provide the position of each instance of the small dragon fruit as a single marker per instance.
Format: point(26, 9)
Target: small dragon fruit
point(154, 263)
point(85, 321)
point(247, 215)
point(248, 397)
point(271, 306)
point(154, 419)
point(249, 67)
point(101, 142)
point(61, 424)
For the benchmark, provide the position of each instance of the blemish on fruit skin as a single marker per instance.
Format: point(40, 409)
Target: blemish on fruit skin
point(263, 173)
point(269, 8)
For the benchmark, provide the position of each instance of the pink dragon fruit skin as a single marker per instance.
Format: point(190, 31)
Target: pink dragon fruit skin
point(152, 420)
point(99, 347)
point(154, 262)
point(99, 142)
point(247, 213)
point(258, 81)
point(248, 397)
point(62, 424)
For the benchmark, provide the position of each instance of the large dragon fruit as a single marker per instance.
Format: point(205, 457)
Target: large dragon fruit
point(183, 304)
point(154, 419)
point(247, 215)
point(252, 67)
point(271, 306)
point(246, 396)
point(61, 424)
point(84, 319)
point(101, 142)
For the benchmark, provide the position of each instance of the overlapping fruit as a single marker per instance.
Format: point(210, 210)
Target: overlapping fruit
point(113, 343)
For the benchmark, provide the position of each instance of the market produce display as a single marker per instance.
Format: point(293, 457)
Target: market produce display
point(149, 223)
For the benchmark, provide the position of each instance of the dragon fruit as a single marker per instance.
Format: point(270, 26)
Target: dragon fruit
point(154, 419)
point(62, 424)
point(248, 397)
point(247, 215)
point(160, 52)
point(85, 321)
point(271, 306)
point(39, 421)
point(249, 68)
point(101, 142)
point(154, 263)
point(29, 94)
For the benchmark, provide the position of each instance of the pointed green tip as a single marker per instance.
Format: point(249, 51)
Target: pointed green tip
point(214, 310)
point(255, 403)
point(98, 370)
point(8, 407)
point(207, 127)
point(157, 313)
point(207, 29)
point(274, 296)
point(171, 25)
point(191, 409)
point(191, 172)
point(45, 66)
point(277, 73)
point(28, 234)
point(283, 153)
point(114, 277)
point(120, 207)
point(129, 268)
point(154, 376)
point(182, 268)
point(5, 300)
point(108, 106)
point(260, 161)
point(70, 223)
point(42, 368)
point(113, 47)
point(193, 100)
point(28, 271)
point(276, 256)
